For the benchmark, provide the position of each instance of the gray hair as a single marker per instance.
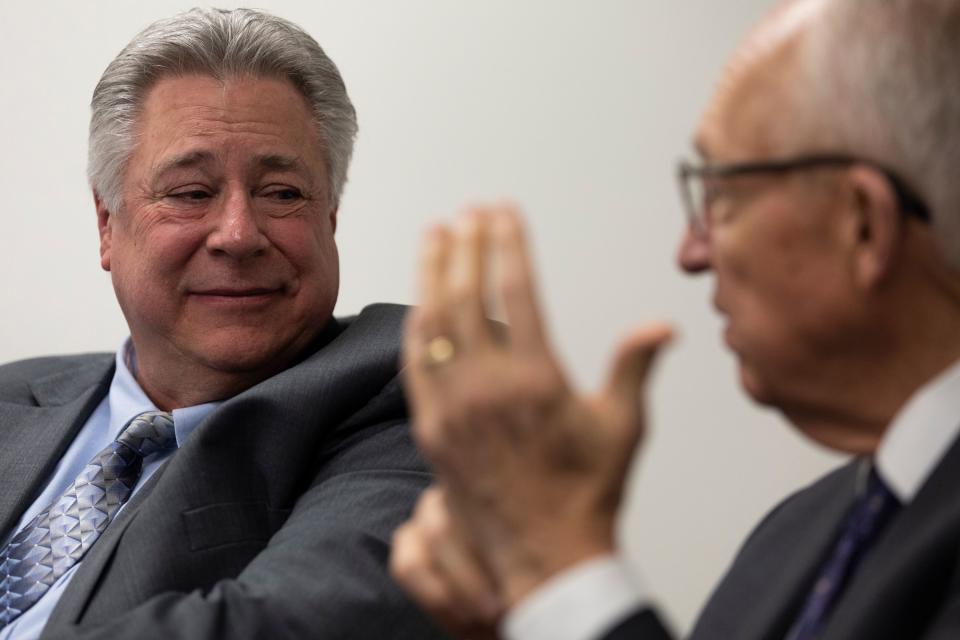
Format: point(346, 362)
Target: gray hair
point(220, 44)
point(884, 78)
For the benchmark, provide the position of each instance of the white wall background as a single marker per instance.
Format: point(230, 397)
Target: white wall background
point(577, 110)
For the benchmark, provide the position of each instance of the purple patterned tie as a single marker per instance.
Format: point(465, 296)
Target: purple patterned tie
point(58, 536)
point(867, 517)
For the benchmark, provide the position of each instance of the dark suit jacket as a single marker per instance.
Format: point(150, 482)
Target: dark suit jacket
point(272, 521)
point(907, 586)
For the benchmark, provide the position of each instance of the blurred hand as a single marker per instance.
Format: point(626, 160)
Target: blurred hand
point(533, 470)
point(434, 563)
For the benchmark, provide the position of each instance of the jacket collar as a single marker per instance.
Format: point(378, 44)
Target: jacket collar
point(37, 431)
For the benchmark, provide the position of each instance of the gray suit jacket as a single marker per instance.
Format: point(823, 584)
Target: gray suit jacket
point(272, 521)
point(907, 586)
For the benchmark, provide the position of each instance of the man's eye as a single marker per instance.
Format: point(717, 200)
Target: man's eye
point(192, 195)
point(284, 195)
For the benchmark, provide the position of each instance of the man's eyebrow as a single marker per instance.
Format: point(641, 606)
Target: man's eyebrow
point(270, 161)
point(184, 161)
point(280, 162)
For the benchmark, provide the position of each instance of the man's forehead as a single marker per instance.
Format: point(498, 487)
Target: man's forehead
point(199, 98)
point(199, 158)
point(785, 23)
point(200, 121)
point(758, 81)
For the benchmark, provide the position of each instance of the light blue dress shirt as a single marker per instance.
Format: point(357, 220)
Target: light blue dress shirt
point(123, 402)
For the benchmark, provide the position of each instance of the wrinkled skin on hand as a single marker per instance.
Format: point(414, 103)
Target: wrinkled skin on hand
point(532, 471)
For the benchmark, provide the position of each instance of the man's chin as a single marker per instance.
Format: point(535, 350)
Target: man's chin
point(242, 357)
point(755, 385)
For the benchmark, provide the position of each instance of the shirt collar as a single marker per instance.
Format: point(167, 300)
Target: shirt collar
point(920, 435)
point(127, 400)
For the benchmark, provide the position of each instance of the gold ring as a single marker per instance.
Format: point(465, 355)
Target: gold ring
point(439, 351)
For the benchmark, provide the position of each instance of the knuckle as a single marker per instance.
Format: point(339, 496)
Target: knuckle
point(431, 498)
point(423, 427)
point(426, 321)
point(461, 292)
point(513, 286)
point(441, 606)
point(436, 525)
point(434, 321)
point(429, 435)
point(405, 557)
point(413, 322)
point(539, 381)
point(477, 398)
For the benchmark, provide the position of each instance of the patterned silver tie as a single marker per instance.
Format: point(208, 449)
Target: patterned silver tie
point(58, 536)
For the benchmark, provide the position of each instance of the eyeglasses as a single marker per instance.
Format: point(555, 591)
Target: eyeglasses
point(697, 198)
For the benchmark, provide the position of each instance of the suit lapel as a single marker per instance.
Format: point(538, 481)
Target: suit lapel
point(260, 446)
point(771, 576)
point(278, 426)
point(35, 436)
point(903, 578)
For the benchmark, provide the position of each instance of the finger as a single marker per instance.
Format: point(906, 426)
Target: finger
point(473, 588)
point(412, 567)
point(427, 321)
point(465, 280)
point(431, 280)
point(631, 366)
point(515, 282)
point(418, 386)
point(438, 570)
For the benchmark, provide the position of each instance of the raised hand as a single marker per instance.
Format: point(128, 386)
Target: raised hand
point(532, 470)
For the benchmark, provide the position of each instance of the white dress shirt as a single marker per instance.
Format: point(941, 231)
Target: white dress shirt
point(591, 598)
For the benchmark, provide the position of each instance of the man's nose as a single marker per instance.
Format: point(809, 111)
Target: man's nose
point(237, 231)
point(693, 254)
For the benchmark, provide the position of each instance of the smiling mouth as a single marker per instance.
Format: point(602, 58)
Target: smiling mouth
point(237, 297)
point(236, 293)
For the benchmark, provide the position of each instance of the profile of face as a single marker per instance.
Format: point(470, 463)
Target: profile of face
point(775, 244)
point(223, 256)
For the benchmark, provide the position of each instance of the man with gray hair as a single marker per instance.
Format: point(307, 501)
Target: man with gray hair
point(826, 206)
point(237, 468)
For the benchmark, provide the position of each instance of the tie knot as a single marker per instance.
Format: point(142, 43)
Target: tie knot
point(876, 505)
point(149, 432)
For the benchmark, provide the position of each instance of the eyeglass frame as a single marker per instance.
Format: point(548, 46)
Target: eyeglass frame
point(910, 204)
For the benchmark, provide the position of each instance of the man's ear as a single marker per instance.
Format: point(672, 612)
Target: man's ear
point(877, 226)
point(105, 228)
point(333, 219)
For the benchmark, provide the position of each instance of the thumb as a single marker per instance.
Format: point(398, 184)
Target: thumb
point(632, 363)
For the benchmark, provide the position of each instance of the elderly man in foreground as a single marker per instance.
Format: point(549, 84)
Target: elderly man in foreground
point(826, 205)
point(237, 468)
